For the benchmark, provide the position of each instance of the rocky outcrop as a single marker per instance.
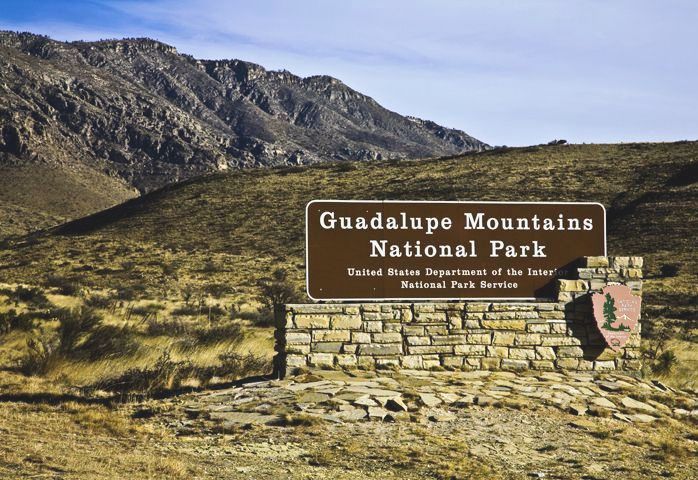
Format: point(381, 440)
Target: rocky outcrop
point(137, 110)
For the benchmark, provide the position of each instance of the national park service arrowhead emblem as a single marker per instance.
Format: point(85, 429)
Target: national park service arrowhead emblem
point(617, 312)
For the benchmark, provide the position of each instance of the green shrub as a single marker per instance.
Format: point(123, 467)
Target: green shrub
point(34, 296)
point(74, 324)
point(11, 320)
point(172, 327)
point(107, 341)
point(217, 333)
point(40, 356)
point(274, 292)
point(65, 285)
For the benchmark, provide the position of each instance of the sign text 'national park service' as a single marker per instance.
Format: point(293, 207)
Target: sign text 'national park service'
point(413, 250)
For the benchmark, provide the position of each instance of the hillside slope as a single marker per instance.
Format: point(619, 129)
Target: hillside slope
point(137, 110)
point(236, 228)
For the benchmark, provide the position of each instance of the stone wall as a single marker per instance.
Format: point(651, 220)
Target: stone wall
point(492, 335)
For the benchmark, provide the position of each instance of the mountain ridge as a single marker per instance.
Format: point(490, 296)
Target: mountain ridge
point(139, 111)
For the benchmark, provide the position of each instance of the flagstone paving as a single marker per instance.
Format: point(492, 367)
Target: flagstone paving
point(422, 396)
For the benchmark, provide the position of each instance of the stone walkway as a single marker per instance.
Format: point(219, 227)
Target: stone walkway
point(422, 396)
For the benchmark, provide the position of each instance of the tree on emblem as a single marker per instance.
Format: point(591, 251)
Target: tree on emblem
point(609, 313)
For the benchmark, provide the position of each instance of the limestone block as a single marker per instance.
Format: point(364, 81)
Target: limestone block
point(347, 360)
point(331, 335)
point(386, 337)
point(296, 360)
point(427, 349)
point(424, 308)
point(373, 326)
point(472, 323)
point(559, 341)
point(558, 327)
point(567, 363)
point(504, 324)
point(343, 322)
point(538, 327)
point(572, 285)
point(321, 360)
point(470, 350)
point(370, 307)
point(526, 315)
point(415, 340)
point(477, 307)
point(618, 262)
point(380, 349)
point(479, 338)
point(360, 337)
point(367, 362)
point(545, 353)
point(311, 321)
point(503, 338)
point(297, 338)
point(552, 315)
point(513, 307)
point(528, 339)
point(374, 316)
point(350, 348)
point(449, 361)
point(352, 310)
point(491, 363)
point(436, 330)
point(542, 364)
point(413, 330)
point(308, 308)
point(301, 349)
point(496, 352)
point(387, 362)
point(601, 365)
point(585, 365)
point(570, 352)
point(412, 361)
point(472, 363)
point(594, 262)
point(509, 364)
point(500, 315)
point(392, 327)
point(636, 262)
point(327, 347)
point(448, 339)
point(522, 353)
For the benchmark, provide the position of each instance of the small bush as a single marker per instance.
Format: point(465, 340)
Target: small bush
point(41, 355)
point(664, 363)
point(669, 270)
point(107, 341)
point(73, 324)
point(99, 301)
point(187, 310)
point(65, 285)
point(274, 292)
point(34, 296)
point(173, 327)
point(11, 320)
point(148, 309)
point(217, 333)
point(217, 290)
point(236, 365)
point(166, 374)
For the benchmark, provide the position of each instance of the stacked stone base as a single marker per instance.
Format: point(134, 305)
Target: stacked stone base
point(546, 335)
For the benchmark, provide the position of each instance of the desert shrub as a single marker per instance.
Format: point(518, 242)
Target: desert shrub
point(210, 267)
point(233, 364)
point(274, 292)
point(34, 296)
point(166, 374)
point(148, 309)
point(107, 341)
point(669, 270)
point(11, 320)
point(170, 327)
point(40, 356)
point(217, 290)
point(130, 293)
point(99, 301)
point(217, 333)
point(187, 310)
point(65, 285)
point(74, 324)
point(664, 363)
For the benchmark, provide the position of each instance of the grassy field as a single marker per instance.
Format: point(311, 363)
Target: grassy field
point(161, 295)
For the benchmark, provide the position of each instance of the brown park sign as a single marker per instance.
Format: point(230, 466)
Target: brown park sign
point(414, 250)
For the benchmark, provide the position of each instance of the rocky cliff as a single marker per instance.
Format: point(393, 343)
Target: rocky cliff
point(140, 112)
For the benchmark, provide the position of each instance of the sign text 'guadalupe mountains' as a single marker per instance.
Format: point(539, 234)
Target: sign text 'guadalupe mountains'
point(413, 250)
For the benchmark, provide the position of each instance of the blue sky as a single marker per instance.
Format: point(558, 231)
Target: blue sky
point(515, 72)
